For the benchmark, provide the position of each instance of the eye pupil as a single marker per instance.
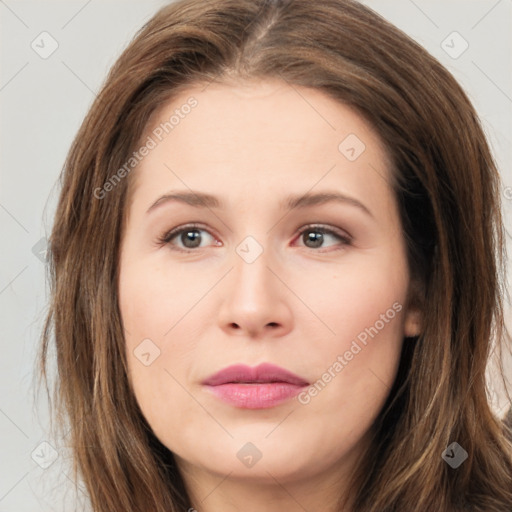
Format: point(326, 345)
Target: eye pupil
point(315, 237)
point(194, 236)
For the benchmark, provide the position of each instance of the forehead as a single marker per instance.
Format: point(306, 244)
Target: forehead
point(263, 111)
point(260, 136)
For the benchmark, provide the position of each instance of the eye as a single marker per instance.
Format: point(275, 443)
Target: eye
point(190, 238)
point(188, 235)
point(315, 236)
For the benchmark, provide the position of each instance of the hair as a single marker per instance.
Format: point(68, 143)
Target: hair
point(446, 185)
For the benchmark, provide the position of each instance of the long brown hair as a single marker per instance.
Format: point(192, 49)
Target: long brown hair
point(448, 190)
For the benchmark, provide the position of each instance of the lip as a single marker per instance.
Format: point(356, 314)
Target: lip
point(261, 387)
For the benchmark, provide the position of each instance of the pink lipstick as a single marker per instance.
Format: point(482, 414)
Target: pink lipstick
point(260, 387)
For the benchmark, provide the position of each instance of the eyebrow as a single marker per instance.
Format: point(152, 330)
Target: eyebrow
point(204, 200)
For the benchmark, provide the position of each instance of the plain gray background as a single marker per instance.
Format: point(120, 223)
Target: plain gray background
point(43, 102)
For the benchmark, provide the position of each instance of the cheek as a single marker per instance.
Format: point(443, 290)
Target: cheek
point(159, 322)
point(152, 302)
point(356, 366)
point(357, 300)
point(147, 314)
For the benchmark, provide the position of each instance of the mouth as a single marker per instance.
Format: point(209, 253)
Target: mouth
point(260, 387)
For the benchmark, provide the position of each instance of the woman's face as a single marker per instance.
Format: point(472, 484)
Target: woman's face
point(261, 282)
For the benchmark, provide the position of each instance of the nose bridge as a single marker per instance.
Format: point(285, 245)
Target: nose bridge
point(253, 301)
point(252, 277)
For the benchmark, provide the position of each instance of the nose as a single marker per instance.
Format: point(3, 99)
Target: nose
point(255, 303)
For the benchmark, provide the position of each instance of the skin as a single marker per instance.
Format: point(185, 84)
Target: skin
point(299, 305)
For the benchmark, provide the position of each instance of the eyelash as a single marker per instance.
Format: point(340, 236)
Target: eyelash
point(166, 238)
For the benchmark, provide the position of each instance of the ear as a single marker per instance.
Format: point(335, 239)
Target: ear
point(413, 319)
point(413, 322)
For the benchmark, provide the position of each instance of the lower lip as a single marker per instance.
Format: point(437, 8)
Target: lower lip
point(255, 396)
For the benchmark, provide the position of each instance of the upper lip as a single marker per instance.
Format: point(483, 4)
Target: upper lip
point(264, 372)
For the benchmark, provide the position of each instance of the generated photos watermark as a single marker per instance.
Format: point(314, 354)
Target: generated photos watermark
point(344, 359)
point(157, 135)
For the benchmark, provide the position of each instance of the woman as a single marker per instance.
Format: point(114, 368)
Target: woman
point(276, 266)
